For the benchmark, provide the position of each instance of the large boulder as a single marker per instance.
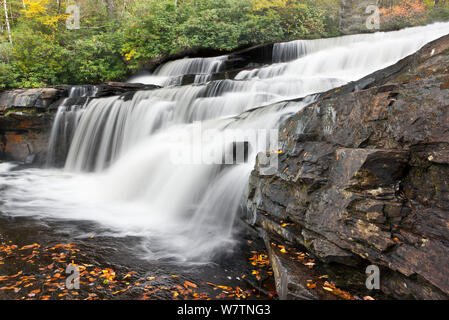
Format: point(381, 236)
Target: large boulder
point(30, 98)
point(24, 137)
point(364, 176)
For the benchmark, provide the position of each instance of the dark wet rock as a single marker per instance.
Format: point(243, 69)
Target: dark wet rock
point(250, 57)
point(296, 278)
point(24, 137)
point(364, 174)
point(290, 277)
point(119, 88)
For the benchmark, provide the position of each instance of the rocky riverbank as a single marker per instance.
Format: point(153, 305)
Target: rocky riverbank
point(363, 179)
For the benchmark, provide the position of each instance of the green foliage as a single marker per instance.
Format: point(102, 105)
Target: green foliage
point(118, 37)
point(148, 31)
point(215, 24)
point(39, 60)
point(7, 75)
point(156, 27)
point(439, 12)
point(93, 60)
point(297, 19)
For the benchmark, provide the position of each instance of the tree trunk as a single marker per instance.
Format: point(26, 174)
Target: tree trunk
point(8, 28)
point(110, 5)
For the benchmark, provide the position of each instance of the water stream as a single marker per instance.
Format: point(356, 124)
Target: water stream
point(152, 166)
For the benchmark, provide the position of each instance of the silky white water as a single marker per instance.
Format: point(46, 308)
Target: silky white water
point(170, 74)
point(136, 167)
point(66, 120)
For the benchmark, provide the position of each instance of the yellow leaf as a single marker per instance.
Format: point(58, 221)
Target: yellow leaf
point(129, 274)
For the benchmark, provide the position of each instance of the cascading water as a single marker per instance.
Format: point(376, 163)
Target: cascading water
point(409, 39)
point(136, 167)
point(172, 73)
point(66, 121)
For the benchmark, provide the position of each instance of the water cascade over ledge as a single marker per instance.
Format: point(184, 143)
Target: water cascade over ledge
point(134, 165)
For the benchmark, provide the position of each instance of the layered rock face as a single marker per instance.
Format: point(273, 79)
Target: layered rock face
point(363, 177)
point(25, 123)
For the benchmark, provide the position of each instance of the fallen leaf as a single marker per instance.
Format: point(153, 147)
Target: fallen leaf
point(190, 284)
point(311, 285)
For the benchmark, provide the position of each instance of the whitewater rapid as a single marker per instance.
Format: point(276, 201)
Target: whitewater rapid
point(135, 166)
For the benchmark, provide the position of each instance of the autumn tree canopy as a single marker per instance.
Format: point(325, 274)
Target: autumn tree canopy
point(116, 37)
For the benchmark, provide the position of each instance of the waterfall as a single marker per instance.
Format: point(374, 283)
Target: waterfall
point(172, 73)
point(191, 66)
point(416, 37)
point(150, 166)
point(66, 120)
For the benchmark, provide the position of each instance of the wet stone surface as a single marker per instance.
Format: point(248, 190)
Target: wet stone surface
point(34, 258)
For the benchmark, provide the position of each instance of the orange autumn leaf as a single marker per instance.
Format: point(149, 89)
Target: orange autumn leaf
point(190, 284)
point(311, 285)
point(34, 245)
